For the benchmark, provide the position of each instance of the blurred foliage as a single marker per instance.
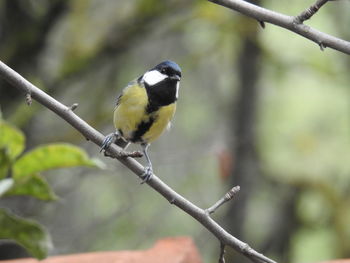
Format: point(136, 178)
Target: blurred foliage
point(86, 51)
point(20, 175)
point(27, 233)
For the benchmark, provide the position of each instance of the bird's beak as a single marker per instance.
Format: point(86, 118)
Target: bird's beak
point(175, 77)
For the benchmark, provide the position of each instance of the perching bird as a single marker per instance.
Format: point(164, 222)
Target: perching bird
point(145, 108)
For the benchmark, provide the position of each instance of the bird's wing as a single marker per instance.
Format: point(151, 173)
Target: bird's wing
point(118, 99)
point(131, 83)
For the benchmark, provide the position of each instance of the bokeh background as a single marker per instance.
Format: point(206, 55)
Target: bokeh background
point(261, 108)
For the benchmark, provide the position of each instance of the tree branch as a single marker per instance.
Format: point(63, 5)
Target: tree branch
point(227, 197)
point(222, 253)
point(93, 135)
point(288, 22)
point(309, 12)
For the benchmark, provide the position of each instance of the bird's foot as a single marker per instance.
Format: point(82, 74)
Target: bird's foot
point(108, 140)
point(147, 174)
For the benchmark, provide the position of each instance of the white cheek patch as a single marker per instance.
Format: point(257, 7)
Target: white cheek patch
point(153, 77)
point(177, 89)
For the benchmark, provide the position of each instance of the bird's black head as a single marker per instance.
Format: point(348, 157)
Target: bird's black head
point(165, 72)
point(162, 84)
point(169, 68)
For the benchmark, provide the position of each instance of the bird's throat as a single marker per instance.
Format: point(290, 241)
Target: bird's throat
point(162, 94)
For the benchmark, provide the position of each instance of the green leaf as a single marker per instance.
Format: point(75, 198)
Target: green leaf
point(35, 186)
point(11, 140)
point(48, 157)
point(5, 185)
point(29, 234)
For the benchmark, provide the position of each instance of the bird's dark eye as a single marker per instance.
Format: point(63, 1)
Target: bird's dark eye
point(163, 70)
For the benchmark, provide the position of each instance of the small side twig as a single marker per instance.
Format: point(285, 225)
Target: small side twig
point(222, 253)
point(73, 106)
point(309, 12)
point(227, 197)
point(322, 46)
point(262, 24)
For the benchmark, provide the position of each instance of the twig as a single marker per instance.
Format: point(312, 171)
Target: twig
point(93, 135)
point(322, 46)
point(262, 24)
point(222, 253)
point(227, 197)
point(309, 12)
point(288, 22)
point(73, 106)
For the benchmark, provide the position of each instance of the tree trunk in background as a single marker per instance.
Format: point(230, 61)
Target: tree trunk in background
point(245, 170)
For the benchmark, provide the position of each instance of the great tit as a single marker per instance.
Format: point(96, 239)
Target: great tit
point(145, 108)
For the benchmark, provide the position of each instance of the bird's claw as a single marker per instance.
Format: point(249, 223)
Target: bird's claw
point(108, 140)
point(147, 174)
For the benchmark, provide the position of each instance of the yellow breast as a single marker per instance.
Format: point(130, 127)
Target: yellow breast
point(162, 118)
point(131, 111)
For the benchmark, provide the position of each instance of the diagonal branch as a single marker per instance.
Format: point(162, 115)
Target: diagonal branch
point(287, 22)
point(93, 135)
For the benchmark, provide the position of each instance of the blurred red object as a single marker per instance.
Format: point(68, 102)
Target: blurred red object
point(345, 260)
point(225, 159)
point(169, 250)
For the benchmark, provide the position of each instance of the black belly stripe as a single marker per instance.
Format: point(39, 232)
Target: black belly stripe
point(151, 107)
point(142, 128)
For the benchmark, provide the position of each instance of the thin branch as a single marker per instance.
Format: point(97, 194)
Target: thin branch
point(93, 135)
point(227, 197)
point(309, 12)
point(288, 22)
point(222, 253)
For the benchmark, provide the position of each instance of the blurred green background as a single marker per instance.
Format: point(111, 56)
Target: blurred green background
point(261, 108)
